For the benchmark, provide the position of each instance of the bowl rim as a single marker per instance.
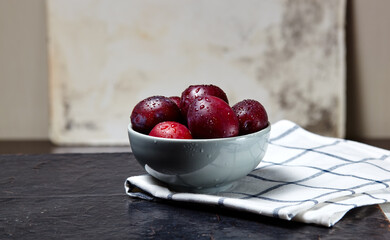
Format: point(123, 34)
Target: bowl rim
point(197, 140)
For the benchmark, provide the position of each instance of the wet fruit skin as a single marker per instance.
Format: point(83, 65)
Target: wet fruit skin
point(176, 99)
point(170, 129)
point(251, 115)
point(153, 110)
point(211, 117)
point(194, 91)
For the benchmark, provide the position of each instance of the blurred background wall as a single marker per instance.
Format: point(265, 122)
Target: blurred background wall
point(23, 70)
point(24, 107)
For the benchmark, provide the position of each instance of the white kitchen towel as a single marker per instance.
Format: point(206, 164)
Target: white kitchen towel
point(303, 177)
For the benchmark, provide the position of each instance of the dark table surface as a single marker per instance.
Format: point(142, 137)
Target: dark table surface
point(81, 196)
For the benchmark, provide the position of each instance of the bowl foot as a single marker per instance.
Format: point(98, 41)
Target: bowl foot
point(205, 190)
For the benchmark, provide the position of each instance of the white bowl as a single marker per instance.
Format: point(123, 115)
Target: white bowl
point(199, 165)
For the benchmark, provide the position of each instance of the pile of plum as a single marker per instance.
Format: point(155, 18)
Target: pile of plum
point(202, 112)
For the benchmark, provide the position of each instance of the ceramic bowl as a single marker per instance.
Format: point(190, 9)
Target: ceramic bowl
point(199, 165)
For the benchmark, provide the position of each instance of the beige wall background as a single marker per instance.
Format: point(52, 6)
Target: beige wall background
point(23, 70)
point(368, 69)
point(24, 102)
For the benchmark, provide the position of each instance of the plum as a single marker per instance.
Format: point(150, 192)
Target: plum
point(251, 115)
point(176, 99)
point(153, 110)
point(171, 129)
point(211, 117)
point(194, 91)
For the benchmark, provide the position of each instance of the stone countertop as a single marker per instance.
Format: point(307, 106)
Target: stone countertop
point(81, 195)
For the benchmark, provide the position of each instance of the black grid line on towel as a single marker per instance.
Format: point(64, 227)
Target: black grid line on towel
point(376, 198)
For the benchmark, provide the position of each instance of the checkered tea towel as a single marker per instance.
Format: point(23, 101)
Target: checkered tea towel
point(303, 177)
